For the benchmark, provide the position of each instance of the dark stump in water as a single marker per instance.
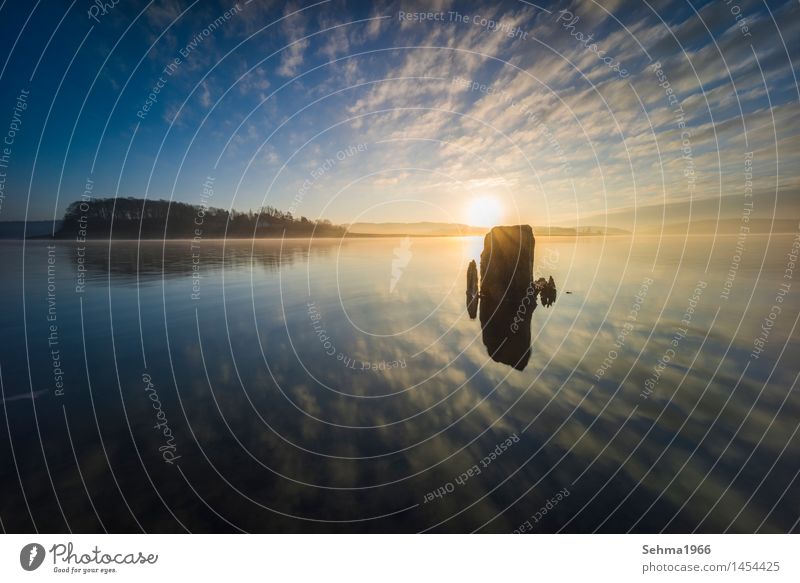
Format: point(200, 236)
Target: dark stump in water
point(546, 290)
point(507, 294)
point(507, 262)
point(472, 290)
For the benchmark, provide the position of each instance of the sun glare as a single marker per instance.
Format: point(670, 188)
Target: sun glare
point(484, 212)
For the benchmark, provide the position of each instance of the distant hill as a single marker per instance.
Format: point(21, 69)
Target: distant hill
point(428, 229)
point(580, 231)
point(785, 204)
point(726, 227)
point(423, 229)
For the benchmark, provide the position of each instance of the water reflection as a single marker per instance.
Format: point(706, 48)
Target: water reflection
point(506, 328)
point(151, 260)
point(257, 404)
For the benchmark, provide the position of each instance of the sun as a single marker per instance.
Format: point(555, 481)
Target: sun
point(484, 211)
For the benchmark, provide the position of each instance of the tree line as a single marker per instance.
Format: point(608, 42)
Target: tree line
point(136, 218)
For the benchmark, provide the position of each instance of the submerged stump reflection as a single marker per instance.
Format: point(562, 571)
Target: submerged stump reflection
point(506, 328)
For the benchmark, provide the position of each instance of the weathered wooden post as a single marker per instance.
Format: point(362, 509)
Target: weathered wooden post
point(507, 262)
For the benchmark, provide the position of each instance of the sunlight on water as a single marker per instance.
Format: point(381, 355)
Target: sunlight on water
point(308, 374)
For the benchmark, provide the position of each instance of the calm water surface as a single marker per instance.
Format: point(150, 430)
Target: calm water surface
point(318, 386)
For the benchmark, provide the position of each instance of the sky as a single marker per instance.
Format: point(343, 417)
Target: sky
point(508, 111)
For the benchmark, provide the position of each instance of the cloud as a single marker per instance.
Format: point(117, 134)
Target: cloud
point(205, 95)
point(293, 27)
point(525, 105)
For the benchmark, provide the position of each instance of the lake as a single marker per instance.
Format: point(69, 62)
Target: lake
point(341, 386)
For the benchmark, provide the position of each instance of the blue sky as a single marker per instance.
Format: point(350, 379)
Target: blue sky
point(356, 111)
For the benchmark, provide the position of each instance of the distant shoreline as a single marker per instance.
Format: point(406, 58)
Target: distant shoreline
point(357, 236)
point(291, 237)
point(43, 231)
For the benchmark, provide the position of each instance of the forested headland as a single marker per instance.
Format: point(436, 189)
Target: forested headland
point(135, 218)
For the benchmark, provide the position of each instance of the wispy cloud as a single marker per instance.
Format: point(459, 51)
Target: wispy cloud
point(457, 105)
point(293, 30)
